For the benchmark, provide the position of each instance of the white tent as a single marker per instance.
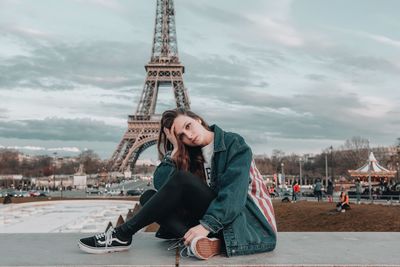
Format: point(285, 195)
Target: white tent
point(373, 169)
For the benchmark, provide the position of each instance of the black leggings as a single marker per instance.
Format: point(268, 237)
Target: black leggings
point(179, 205)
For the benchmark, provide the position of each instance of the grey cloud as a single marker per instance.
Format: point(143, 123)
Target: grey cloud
point(365, 63)
point(55, 66)
point(321, 113)
point(311, 116)
point(263, 56)
point(3, 113)
point(261, 84)
point(60, 129)
point(214, 65)
point(115, 110)
point(219, 77)
point(316, 77)
point(219, 15)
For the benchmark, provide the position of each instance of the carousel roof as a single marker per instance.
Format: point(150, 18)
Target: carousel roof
point(372, 167)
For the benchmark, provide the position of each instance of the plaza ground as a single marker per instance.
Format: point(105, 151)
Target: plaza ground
point(312, 216)
point(310, 234)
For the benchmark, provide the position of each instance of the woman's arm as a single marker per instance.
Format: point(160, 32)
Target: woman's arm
point(167, 166)
point(233, 188)
point(163, 171)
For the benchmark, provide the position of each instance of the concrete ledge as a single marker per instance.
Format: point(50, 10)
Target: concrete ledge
point(294, 249)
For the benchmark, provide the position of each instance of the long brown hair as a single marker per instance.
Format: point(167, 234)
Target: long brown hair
point(187, 158)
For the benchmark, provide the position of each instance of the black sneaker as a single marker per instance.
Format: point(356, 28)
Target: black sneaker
point(106, 242)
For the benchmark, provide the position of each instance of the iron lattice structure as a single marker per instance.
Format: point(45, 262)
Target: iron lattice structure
point(163, 69)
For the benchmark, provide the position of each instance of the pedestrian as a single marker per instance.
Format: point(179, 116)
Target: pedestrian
point(296, 191)
point(271, 191)
point(358, 190)
point(209, 194)
point(344, 203)
point(318, 190)
point(329, 191)
point(7, 200)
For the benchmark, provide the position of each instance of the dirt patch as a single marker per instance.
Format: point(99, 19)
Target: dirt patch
point(306, 216)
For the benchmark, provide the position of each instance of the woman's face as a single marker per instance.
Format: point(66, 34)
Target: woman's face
point(190, 131)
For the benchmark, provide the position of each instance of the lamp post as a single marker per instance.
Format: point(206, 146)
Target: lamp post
point(369, 180)
point(61, 179)
point(283, 173)
point(398, 158)
point(54, 171)
point(326, 168)
point(331, 152)
point(301, 177)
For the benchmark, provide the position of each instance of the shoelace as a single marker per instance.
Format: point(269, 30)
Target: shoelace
point(176, 243)
point(185, 250)
point(107, 236)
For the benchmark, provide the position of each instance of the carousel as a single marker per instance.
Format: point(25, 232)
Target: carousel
point(372, 172)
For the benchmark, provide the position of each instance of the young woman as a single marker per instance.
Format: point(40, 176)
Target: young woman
point(344, 203)
point(209, 193)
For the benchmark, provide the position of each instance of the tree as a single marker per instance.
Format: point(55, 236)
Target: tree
point(276, 160)
point(91, 161)
point(351, 155)
point(9, 163)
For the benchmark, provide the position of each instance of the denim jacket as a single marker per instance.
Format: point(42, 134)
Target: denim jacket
point(234, 211)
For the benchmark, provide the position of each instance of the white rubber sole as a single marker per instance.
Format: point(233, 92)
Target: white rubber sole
point(92, 250)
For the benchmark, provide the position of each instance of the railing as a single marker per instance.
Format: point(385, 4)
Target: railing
point(376, 199)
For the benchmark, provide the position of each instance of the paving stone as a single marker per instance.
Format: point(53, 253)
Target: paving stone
point(293, 249)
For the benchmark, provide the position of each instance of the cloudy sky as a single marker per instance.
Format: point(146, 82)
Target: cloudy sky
point(295, 75)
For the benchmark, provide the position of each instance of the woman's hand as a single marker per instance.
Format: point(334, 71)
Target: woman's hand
point(170, 133)
point(198, 230)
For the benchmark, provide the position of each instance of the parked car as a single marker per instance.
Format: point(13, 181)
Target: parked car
point(93, 191)
point(34, 193)
point(134, 192)
point(114, 192)
point(43, 194)
point(3, 193)
point(23, 194)
point(18, 193)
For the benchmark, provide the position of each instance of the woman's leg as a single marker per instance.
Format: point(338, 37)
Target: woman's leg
point(183, 189)
point(176, 224)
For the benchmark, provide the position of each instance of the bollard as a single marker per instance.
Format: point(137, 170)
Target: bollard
point(7, 200)
point(119, 221)
point(109, 226)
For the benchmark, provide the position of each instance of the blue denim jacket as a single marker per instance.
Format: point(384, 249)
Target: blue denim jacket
point(233, 211)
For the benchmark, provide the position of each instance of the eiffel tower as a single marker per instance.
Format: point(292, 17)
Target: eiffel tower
point(163, 69)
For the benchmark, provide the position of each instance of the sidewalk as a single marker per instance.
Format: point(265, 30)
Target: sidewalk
point(293, 249)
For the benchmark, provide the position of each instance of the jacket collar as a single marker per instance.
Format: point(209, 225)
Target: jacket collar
point(219, 144)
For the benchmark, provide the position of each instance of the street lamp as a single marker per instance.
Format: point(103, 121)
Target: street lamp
point(398, 158)
point(283, 174)
point(61, 178)
point(54, 171)
point(369, 178)
point(326, 167)
point(331, 152)
point(301, 179)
